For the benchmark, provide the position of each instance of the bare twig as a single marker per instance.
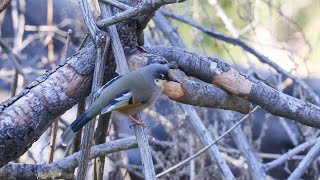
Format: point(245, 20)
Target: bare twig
point(88, 19)
point(13, 58)
point(98, 37)
point(224, 18)
point(14, 83)
point(100, 135)
point(88, 130)
point(284, 157)
point(117, 4)
point(206, 139)
point(208, 146)
point(139, 10)
point(256, 170)
point(306, 162)
point(66, 46)
point(52, 143)
point(49, 22)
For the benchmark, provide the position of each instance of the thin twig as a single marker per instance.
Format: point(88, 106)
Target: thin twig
point(134, 12)
point(52, 144)
point(66, 47)
point(14, 59)
point(117, 4)
point(101, 133)
point(205, 138)
point(98, 74)
point(306, 162)
point(88, 130)
point(285, 157)
point(207, 147)
point(49, 22)
point(255, 167)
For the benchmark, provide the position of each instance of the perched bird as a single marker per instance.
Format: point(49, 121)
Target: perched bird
point(128, 94)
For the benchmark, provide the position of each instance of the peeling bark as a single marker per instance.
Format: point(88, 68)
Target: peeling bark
point(212, 70)
point(198, 93)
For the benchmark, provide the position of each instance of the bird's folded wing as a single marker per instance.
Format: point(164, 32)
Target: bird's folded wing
point(121, 101)
point(97, 94)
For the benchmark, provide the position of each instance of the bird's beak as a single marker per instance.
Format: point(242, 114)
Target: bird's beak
point(172, 76)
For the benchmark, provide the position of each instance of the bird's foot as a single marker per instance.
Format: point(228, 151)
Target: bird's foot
point(136, 122)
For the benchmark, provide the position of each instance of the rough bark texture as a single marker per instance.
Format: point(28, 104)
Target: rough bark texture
point(64, 168)
point(26, 116)
point(212, 70)
point(203, 94)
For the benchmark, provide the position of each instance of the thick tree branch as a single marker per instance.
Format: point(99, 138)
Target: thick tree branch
point(64, 168)
point(26, 116)
point(199, 93)
point(311, 95)
point(212, 70)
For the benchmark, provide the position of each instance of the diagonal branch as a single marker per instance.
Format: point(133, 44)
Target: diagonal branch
point(311, 95)
point(208, 146)
point(138, 12)
point(212, 70)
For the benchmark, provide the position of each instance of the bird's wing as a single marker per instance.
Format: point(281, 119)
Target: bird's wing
point(97, 94)
point(120, 102)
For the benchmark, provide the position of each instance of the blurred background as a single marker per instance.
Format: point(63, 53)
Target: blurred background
point(40, 35)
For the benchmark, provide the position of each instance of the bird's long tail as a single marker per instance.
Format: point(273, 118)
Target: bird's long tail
point(72, 130)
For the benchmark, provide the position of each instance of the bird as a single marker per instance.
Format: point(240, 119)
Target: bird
point(128, 94)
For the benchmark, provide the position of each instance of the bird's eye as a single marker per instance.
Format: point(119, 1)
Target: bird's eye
point(163, 77)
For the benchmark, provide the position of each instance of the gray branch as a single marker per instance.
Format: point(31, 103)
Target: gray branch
point(285, 157)
point(311, 95)
point(256, 170)
point(306, 162)
point(206, 139)
point(64, 168)
point(213, 70)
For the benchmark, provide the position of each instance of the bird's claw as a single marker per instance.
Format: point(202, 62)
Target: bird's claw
point(136, 122)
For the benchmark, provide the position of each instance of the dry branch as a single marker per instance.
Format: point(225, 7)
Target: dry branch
point(311, 95)
point(206, 139)
point(212, 70)
point(64, 168)
point(286, 156)
point(203, 94)
point(145, 9)
point(26, 116)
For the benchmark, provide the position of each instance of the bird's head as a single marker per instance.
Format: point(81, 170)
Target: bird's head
point(160, 73)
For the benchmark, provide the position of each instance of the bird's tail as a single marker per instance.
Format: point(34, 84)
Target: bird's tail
point(72, 130)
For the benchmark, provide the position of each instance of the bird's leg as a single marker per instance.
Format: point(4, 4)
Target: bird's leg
point(135, 122)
